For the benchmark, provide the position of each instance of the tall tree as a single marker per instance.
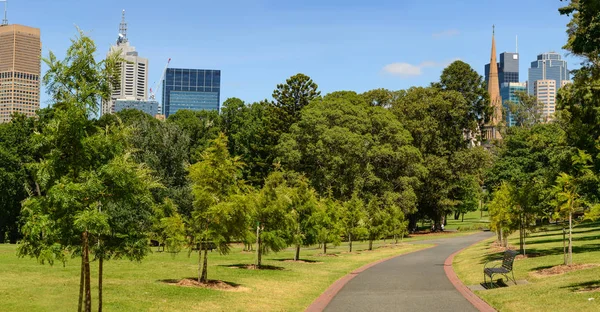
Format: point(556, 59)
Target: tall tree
point(293, 95)
point(353, 219)
point(216, 218)
point(460, 77)
point(84, 178)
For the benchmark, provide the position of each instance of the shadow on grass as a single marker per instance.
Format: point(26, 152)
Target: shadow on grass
point(558, 240)
point(298, 261)
point(559, 232)
point(246, 266)
point(584, 287)
point(539, 252)
point(496, 284)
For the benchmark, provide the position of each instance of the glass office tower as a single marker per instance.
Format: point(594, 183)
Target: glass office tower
point(507, 92)
point(508, 68)
point(194, 89)
point(548, 66)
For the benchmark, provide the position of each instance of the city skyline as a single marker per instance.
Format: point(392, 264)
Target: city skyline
point(259, 45)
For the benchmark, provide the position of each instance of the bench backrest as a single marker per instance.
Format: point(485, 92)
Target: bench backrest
point(509, 258)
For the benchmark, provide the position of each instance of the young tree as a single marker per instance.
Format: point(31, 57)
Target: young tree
point(568, 189)
point(352, 219)
point(501, 210)
point(271, 213)
point(327, 223)
point(216, 218)
point(303, 206)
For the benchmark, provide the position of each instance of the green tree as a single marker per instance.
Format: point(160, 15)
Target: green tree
point(353, 219)
point(303, 206)
point(501, 214)
point(293, 95)
point(460, 77)
point(85, 181)
point(438, 121)
point(327, 223)
point(527, 111)
point(568, 189)
point(272, 205)
point(200, 126)
point(15, 152)
point(217, 217)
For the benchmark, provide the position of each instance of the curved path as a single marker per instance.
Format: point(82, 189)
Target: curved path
point(412, 282)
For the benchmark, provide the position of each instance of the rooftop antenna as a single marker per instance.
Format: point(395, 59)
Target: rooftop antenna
point(123, 29)
point(4, 20)
point(517, 41)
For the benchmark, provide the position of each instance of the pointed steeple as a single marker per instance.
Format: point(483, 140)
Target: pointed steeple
point(494, 92)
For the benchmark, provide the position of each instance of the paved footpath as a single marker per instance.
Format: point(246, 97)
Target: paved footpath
point(413, 282)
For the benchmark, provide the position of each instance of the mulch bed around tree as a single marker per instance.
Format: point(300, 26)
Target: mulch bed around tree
point(211, 284)
point(561, 269)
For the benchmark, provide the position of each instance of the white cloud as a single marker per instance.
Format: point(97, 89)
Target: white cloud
point(446, 33)
point(402, 69)
point(409, 70)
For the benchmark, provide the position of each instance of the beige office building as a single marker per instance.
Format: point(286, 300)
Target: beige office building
point(20, 70)
point(545, 91)
point(133, 84)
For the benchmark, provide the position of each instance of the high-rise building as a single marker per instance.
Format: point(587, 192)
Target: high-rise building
point(547, 66)
point(148, 107)
point(133, 85)
point(545, 92)
point(491, 129)
point(194, 89)
point(508, 68)
point(508, 93)
point(20, 70)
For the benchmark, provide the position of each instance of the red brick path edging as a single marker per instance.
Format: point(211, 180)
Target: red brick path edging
point(323, 300)
point(464, 290)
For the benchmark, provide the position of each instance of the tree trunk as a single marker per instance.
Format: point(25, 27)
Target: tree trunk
point(257, 245)
point(396, 239)
point(564, 247)
point(463, 217)
point(501, 237)
point(370, 244)
point(81, 282)
point(297, 255)
point(324, 248)
point(570, 238)
point(350, 241)
point(88, 290)
point(456, 215)
point(258, 252)
point(100, 271)
point(203, 278)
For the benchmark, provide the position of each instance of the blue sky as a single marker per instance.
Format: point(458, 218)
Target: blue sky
point(342, 45)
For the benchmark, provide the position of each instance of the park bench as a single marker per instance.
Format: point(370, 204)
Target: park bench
point(504, 269)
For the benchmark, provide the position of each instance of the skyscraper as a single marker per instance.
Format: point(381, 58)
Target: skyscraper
point(545, 92)
point(20, 70)
point(133, 84)
point(491, 129)
point(508, 93)
point(508, 68)
point(547, 66)
point(195, 89)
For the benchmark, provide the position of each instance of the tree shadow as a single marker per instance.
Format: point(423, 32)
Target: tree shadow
point(583, 287)
point(298, 261)
point(557, 240)
point(246, 266)
point(541, 252)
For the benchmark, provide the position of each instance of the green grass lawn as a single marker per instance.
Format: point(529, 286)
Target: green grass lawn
point(26, 285)
point(564, 292)
point(474, 220)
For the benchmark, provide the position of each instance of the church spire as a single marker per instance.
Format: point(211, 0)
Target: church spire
point(494, 92)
